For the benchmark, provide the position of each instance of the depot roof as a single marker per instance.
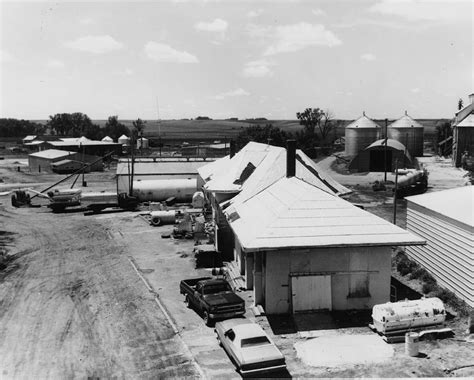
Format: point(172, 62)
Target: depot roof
point(294, 214)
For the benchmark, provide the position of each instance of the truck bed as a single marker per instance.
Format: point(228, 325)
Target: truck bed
point(187, 286)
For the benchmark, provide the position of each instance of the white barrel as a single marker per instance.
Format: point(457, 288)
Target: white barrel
point(411, 343)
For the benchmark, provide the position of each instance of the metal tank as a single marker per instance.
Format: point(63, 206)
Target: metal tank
point(124, 140)
point(409, 132)
point(405, 315)
point(142, 142)
point(159, 190)
point(360, 134)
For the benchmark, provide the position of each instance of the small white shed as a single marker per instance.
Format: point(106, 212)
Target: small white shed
point(446, 220)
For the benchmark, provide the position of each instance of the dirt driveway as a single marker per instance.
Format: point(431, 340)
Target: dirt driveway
point(71, 305)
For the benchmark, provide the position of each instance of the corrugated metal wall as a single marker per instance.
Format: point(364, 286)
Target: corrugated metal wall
point(449, 252)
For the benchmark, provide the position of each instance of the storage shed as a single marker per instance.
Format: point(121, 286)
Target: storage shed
point(41, 161)
point(303, 249)
point(409, 132)
point(86, 146)
point(67, 166)
point(380, 156)
point(446, 220)
point(360, 134)
point(463, 132)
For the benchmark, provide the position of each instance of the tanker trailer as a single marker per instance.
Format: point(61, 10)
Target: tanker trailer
point(159, 190)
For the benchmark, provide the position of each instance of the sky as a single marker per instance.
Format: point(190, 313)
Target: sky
point(173, 59)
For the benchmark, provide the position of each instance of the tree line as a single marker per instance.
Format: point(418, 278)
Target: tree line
point(74, 124)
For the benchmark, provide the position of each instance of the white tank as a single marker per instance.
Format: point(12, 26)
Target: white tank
point(404, 315)
point(159, 218)
point(198, 199)
point(159, 190)
point(124, 140)
point(142, 143)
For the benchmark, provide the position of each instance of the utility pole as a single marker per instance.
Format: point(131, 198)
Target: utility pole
point(133, 164)
point(385, 154)
point(84, 183)
point(395, 193)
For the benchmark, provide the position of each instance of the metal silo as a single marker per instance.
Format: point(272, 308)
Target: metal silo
point(124, 140)
point(409, 132)
point(360, 134)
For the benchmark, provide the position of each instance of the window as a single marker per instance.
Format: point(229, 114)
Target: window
point(255, 341)
point(230, 334)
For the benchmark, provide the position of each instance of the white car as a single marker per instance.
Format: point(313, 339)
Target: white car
point(249, 347)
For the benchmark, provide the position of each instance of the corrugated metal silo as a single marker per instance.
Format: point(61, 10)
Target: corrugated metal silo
point(360, 134)
point(409, 132)
point(124, 140)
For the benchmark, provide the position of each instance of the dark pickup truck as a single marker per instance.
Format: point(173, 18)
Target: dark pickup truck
point(213, 298)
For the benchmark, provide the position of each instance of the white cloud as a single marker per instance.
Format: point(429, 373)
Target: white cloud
point(95, 44)
point(237, 92)
point(254, 13)
point(6, 56)
point(164, 53)
point(218, 25)
point(318, 12)
point(415, 90)
point(368, 57)
point(55, 64)
point(258, 69)
point(290, 38)
point(427, 10)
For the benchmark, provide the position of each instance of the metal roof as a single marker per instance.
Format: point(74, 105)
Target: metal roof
point(457, 203)
point(64, 162)
point(161, 167)
point(294, 214)
point(390, 143)
point(363, 122)
point(29, 137)
point(270, 164)
point(405, 122)
point(52, 153)
point(108, 138)
point(78, 142)
point(467, 122)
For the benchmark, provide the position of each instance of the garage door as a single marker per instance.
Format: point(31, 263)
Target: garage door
point(311, 293)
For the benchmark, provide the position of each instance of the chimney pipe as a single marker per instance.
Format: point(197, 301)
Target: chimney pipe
point(290, 158)
point(232, 148)
point(471, 98)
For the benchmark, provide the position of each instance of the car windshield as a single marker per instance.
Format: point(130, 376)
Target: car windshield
point(255, 341)
point(216, 288)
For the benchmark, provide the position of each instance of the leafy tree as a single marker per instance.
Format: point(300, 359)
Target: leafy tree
point(114, 129)
point(266, 134)
point(76, 124)
point(203, 118)
point(138, 127)
point(19, 128)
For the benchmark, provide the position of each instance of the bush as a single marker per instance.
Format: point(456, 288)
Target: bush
point(405, 266)
point(450, 299)
point(428, 287)
point(423, 275)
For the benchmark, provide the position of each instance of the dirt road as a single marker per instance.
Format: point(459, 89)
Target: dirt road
point(71, 305)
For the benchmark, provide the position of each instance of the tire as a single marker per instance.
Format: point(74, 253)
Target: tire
point(207, 320)
point(155, 221)
point(14, 201)
point(186, 302)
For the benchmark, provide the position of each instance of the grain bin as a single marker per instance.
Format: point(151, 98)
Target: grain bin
point(360, 134)
point(142, 142)
point(124, 140)
point(107, 139)
point(405, 315)
point(409, 132)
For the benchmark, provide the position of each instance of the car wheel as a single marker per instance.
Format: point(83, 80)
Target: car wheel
point(207, 320)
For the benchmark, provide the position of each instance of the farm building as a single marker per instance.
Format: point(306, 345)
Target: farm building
point(86, 146)
point(408, 132)
point(205, 150)
point(28, 139)
point(157, 168)
point(446, 220)
point(303, 249)
point(463, 132)
point(379, 157)
point(360, 134)
point(252, 169)
point(42, 161)
point(67, 166)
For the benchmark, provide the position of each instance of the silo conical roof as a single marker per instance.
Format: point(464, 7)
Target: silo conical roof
point(363, 122)
point(107, 139)
point(123, 137)
point(405, 121)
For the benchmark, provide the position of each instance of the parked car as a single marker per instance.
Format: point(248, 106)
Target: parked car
point(249, 347)
point(212, 297)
